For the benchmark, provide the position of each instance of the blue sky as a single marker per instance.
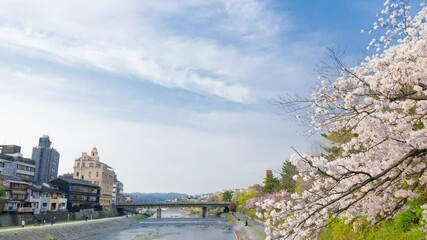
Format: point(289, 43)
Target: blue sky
point(177, 91)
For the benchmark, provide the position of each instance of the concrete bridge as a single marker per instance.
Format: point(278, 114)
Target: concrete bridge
point(159, 205)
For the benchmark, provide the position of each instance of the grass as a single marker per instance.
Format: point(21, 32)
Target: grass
point(338, 230)
point(143, 216)
point(228, 218)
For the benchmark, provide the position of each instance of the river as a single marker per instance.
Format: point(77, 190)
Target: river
point(174, 225)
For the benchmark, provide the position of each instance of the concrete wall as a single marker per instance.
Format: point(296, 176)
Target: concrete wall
point(8, 220)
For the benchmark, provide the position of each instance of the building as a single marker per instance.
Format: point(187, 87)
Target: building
point(13, 164)
point(268, 173)
point(67, 175)
point(46, 159)
point(80, 194)
point(46, 198)
point(88, 167)
point(256, 188)
point(16, 194)
point(118, 187)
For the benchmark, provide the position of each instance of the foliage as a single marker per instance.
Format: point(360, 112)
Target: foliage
point(335, 140)
point(411, 218)
point(143, 216)
point(251, 213)
point(271, 184)
point(232, 207)
point(228, 218)
point(226, 196)
point(390, 229)
point(288, 172)
point(249, 194)
point(2, 194)
point(383, 102)
point(301, 185)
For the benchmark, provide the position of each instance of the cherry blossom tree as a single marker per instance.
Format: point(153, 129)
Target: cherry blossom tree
point(383, 103)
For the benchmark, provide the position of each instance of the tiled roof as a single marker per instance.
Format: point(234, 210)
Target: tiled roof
point(12, 179)
point(78, 181)
point(42, 188)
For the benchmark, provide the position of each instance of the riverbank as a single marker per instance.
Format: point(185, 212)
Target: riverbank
point(67, 230)
point(88, 229)
point(252, 231)
point(11, 220)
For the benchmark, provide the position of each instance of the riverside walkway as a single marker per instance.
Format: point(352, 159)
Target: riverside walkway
point(66, 230)
point(253, 231)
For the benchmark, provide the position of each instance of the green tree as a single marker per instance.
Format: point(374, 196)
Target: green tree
point(2, 194)
point(288, 171)
point(248, 195)
point(271, 184)
point(226, 196)
point(334, 140)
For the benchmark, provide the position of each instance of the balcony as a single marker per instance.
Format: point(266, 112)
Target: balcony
point(25, 210)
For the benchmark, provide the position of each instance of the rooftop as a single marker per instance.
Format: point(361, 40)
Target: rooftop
point(12, 179)
point(42, 188)
point(77, 181)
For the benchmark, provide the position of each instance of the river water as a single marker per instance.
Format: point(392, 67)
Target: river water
point(174, 225)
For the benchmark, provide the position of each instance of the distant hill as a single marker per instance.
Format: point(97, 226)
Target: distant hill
point(155, 197)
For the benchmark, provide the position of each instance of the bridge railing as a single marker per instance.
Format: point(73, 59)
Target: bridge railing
point(174, 204)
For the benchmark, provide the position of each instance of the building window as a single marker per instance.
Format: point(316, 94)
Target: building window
point(77, 174)
point(83, 177)
point(78, 164)
point(97, 174)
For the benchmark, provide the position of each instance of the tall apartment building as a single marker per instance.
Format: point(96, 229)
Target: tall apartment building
point(13, 164)
point(89, 168)
point(46, 159)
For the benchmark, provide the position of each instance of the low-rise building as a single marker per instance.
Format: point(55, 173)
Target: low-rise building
point(80, 194)
point(256, 187)
point(66, 175)
point(16, 193)
point(46, 198)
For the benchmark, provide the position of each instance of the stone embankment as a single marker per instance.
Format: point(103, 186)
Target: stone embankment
point(10, 220)
point(66, 230)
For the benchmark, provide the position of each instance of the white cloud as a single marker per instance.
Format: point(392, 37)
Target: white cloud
point(137, 39)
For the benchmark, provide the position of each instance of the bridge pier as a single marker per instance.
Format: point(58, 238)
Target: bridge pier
point(159, 212)
point(205, 212)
